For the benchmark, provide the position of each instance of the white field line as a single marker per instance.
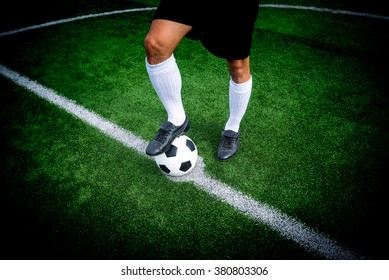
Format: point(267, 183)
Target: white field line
point(288, 227)
point(325, 10)
point(74, 19)
point(315, 9)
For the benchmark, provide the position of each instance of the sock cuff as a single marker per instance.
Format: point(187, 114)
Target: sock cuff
point(243, 87)
point(161, 68)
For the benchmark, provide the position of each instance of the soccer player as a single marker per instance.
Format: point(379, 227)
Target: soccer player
point(225, 29)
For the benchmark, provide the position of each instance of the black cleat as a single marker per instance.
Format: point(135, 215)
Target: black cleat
point(165, 136)
point(229, 145)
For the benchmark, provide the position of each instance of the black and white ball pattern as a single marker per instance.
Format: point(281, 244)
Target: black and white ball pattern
point(180, 159)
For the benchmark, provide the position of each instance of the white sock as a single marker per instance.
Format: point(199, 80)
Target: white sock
point(239, 95)
point(166, 80)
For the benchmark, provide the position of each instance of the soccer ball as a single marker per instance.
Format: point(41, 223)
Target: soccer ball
point(179, 159)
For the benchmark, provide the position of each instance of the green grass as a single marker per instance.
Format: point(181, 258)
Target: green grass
point(314, 139)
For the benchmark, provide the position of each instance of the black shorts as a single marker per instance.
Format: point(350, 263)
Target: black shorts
point(225, 30)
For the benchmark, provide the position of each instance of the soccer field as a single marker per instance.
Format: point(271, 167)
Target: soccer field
point(78, 109)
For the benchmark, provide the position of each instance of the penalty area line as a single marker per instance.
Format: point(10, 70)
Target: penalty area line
point(312, 241)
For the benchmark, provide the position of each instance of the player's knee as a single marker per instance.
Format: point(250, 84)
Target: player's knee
point(150, 44)
point(239, 70)
point(154, 47)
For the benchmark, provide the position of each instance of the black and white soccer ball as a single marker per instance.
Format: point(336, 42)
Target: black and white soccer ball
point(180, 159)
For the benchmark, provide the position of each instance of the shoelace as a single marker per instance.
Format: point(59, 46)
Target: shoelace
point(228, 142)
point(161, 136)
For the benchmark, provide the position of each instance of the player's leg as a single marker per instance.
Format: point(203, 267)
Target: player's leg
point(229, 35)
point(239, 91)
point(239, 96)
point(160, 43)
